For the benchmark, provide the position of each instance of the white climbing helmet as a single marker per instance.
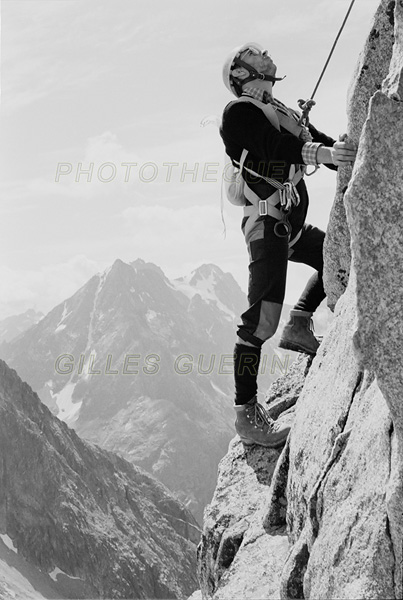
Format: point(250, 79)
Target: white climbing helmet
point(233, 61)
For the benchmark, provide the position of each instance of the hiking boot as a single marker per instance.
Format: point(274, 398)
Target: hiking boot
point(298, 333)
point(254, 426)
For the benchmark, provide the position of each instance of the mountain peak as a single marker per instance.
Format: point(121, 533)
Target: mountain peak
point(118, 266)
point(206, 271)
point(118, 263)
point(92, 357)
point(213, 286)
point(141, 265)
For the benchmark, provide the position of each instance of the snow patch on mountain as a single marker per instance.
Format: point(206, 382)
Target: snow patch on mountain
point(90, 342)
point(8, 542)
point(87, 365)
point(56, 571)
point(61, 324)
point(151, 315)
point(68, 410)
point(202, 283)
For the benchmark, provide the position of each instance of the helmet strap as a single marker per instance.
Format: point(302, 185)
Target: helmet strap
point(254, 74)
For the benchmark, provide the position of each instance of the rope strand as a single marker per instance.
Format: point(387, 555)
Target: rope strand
point(332, 50)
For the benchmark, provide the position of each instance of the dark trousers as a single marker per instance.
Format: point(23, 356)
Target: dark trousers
point(269, 257)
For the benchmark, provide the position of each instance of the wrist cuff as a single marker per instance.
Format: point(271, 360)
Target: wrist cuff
point(310, 153)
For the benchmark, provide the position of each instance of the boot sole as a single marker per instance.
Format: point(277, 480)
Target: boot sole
point(249, 442)
point(295, 348)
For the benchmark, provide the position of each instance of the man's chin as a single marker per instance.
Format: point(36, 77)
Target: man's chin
point(271, 72)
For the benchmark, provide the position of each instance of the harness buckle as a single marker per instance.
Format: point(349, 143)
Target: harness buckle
point(263, 208)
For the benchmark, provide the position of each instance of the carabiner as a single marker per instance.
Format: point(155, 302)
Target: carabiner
point(289, 196)
point(305, 106)
point(312, 172)
point(283, 228)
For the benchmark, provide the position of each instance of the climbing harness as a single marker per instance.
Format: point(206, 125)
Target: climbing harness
point(286, 194)
point(237, 191)
point(306, 105)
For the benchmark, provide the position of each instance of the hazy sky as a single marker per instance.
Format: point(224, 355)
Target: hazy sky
point(88, 85)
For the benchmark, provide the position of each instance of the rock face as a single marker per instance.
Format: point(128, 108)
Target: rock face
point(336, 492)
point(244, 542)
point(372, 67)
point(338, 518)
point(97, 525)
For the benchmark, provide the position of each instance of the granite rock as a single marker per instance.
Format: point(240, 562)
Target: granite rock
point(372, 67)
point(244, 542)
point(337, 515)
point(345, 489)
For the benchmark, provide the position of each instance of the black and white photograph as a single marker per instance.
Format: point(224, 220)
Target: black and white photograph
point(201, 296)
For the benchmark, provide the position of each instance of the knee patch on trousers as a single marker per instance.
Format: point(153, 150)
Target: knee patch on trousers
point(269, 319)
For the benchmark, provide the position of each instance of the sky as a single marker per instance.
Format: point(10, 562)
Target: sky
point(109, 142)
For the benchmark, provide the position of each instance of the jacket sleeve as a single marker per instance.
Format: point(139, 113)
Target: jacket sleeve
point(244, 125)
point(324, 139)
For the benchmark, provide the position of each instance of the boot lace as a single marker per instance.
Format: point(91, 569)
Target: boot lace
point(260, 415)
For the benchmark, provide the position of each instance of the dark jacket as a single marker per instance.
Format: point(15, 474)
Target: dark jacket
point(270, 152)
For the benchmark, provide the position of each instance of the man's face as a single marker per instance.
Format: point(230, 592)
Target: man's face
point(259, 60)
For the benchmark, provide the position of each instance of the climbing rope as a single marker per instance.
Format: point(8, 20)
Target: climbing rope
point(306, 105)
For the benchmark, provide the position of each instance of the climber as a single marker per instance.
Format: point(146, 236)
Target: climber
point(278, 149)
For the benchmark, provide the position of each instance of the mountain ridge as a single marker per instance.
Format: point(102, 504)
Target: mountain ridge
point(142, 365)
point(69, 505)
point(13, 326)
point(129, 348)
